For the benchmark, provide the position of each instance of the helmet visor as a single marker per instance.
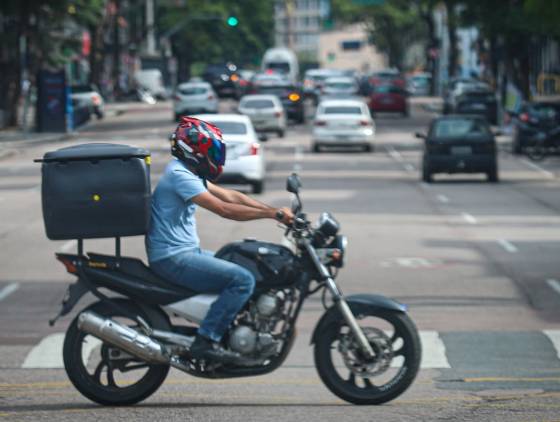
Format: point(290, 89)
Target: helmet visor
point(217, 152)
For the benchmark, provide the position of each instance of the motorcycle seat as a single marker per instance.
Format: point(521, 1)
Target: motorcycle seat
point(134, 267)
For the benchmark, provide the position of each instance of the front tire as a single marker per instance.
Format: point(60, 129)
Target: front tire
point(257, 187)
point(369, 383)
point(101, 384)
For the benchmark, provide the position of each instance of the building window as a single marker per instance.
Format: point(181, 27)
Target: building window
point(352, 45)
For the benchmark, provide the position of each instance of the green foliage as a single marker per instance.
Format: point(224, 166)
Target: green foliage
point(209, 36)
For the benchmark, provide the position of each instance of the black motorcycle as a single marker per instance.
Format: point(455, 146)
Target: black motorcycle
point(119, 350)
point(543, 143)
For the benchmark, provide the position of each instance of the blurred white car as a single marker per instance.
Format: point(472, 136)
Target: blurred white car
point(245, 163)
point(194, 97)
point(266, 113)
point(89, 94)
point(339, 86)
point(343, 123)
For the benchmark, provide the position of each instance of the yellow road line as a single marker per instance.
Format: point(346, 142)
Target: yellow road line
point(513, 379)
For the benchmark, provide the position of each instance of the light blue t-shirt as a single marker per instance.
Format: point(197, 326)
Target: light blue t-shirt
point(172, 223)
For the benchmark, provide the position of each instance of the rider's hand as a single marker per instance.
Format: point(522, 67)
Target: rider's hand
point(285, 216)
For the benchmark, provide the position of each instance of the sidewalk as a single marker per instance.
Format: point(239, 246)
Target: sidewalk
point(13, 139)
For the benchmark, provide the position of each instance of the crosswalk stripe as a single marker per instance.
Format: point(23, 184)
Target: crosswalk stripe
point(433, 351)
point(48, 353)
point(554, 336)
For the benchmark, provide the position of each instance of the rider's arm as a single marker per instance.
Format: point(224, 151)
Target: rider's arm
point(235, 197)
point(238, 212)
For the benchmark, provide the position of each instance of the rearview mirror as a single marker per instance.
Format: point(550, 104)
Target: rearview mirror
point(420, 135)
point(293, 184)
point(262, 137)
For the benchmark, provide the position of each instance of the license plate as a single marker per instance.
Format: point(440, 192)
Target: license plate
point(478, 107)
point(386, 101)
point(461, 150)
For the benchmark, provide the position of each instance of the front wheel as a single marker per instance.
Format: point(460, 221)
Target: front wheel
point(102, 372)
point(356, 379)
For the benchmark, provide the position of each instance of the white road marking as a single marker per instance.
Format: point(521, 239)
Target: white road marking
point(538, 168)
point(433, 350)
point(443, 199)
point(554, 285)
point(409, 167)
point(8, 290)
point(469, 218)
point(413, 262)
point(508, 246)
point(554, 336)
point(395, 154)
point(48, 353)
point(71, 244)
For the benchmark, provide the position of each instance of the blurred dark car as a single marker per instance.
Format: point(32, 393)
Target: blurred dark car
point(388, 98)
point(290, 95)
point(532, 118)
point(459, 144)
point(223, 78)
point(482, 102)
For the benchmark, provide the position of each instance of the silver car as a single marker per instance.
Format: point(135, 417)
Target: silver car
point(343, 123)
point(266, 113)
point(194, 97)
point(339, 87)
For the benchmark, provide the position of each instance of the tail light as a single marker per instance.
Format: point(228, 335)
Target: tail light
point(524, 117)
point(365, 123)
point(68, 263)
point(243, 82)
point(254, 149)
point(278, 114)
point(176, 97)
point(96, 99)
point(210, 97)
point(320, 123)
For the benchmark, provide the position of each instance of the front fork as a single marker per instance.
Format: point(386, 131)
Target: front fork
point(340, 302)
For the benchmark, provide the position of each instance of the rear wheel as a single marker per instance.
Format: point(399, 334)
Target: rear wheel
point(493, 175)
point(281, 133)
point(316, 148)
point(536, 151)
point(356, 379)
point(427, 175)
point(102, 372)
point(258, 186)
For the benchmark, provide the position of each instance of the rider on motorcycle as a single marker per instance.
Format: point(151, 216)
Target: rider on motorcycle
point(172, 242)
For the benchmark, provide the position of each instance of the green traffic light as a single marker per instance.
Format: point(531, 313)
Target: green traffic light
point(232, 21)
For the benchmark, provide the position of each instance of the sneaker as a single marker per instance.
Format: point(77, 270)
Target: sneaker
point(204, 348)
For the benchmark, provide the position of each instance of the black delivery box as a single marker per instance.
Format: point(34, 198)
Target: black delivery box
point(96, 190)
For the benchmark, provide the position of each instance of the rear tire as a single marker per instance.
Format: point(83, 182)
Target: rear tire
point(368, 148)
point(257, 187)
point(316, 148)
point(493, 176)
point(91, 385)
point(281, 133)
point(427, 175)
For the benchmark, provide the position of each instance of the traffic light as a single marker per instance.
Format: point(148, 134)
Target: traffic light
point(232, 21)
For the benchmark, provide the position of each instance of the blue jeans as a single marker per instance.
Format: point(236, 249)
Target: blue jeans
point(200, 271)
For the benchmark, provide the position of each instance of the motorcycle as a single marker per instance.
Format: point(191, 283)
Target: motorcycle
point(118, 351)
point(543, 143)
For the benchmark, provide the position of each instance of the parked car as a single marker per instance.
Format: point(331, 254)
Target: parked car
point(532, 118)
point(459, 144)
point(339, 87)
point(245, 162)
point(388, 98)
point(291, 96)
point(419, 84)
point(194, 97)
point(223, 78)
point(152, 81)
point(89, 94)
point(471, 96)
point(343, 123)
point(266, 113)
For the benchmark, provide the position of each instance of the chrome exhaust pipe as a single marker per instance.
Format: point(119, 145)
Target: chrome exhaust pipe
point(123, 337)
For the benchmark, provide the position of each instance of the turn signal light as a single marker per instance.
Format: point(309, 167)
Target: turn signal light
point(69, 264)
point(234, 77)
point(294, 97)
point(96, 99)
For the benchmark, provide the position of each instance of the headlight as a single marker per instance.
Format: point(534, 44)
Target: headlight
point(327, 225)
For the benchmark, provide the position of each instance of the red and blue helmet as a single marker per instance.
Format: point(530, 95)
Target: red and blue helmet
point(199, 144)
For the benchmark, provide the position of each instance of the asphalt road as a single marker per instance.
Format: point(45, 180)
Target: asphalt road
point(477, 264)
